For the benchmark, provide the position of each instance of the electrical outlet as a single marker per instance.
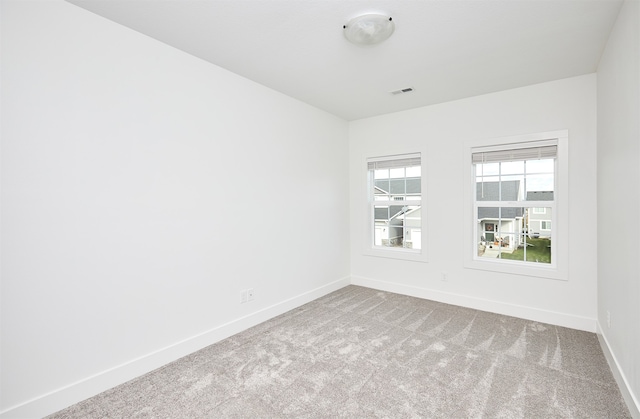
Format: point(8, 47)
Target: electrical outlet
point(444, 277)
point(608, 319)
point(244, 296)
point(250, 294)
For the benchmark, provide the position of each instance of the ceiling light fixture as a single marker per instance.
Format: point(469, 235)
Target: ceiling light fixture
point(368, 29)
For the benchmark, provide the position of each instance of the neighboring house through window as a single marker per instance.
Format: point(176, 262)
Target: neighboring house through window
point(515, 184)
point(510, 182)
point(395, 203)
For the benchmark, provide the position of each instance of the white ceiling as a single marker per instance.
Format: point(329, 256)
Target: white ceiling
point(444, 49)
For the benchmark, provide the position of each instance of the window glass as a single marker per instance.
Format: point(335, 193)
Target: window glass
point(413, 171)
point(509, 226)
point(397, 173)
point(513, 233)
point(512, 168)
point(540, 166)
point(396, 202)
point(513, 182)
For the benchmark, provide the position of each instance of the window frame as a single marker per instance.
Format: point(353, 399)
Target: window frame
point(558, 268)
point(370, 249)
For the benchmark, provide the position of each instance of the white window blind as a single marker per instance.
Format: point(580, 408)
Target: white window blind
point(514, 154)
point(393, 162)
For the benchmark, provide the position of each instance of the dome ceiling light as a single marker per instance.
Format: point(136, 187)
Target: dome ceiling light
point(369, 29)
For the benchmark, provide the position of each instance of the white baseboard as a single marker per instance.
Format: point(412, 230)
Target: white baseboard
point(523, 312)
point(73, 393)
point(630, 399)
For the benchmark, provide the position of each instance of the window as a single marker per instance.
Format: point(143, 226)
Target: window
point(510, 183)
point(395, 203)
point(516, 205)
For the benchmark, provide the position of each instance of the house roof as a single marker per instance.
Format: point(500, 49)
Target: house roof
point(393, 212)
point(399, 186)
point(540, 196)
point(384, 214)
point(492, 191)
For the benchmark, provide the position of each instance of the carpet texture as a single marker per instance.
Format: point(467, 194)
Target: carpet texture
point(360, 353)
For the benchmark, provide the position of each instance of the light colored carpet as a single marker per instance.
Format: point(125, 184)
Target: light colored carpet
point(361, 353)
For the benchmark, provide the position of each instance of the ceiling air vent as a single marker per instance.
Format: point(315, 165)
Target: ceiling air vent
point(405, 90)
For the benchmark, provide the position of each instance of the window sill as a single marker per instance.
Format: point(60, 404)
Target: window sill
point(515, 268)
point(399, 253)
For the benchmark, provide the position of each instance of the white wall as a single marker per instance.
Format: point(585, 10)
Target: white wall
point(441, 131)
point(619, 197)
point(142, 189)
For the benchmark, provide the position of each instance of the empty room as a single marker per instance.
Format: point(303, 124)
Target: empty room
point(319, 208)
